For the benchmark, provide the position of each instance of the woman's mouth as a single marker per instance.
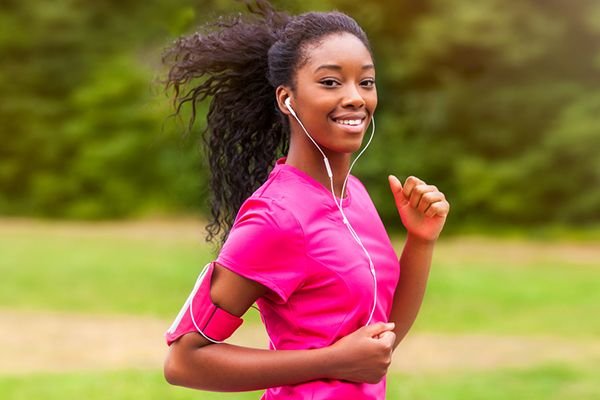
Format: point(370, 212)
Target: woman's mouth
point(351, 122)
point(352, 125)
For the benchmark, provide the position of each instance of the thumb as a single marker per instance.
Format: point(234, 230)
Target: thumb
point(388, 338)
point(376, 329)
point(397, 190)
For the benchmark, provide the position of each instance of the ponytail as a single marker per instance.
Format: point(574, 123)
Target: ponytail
point(245, 134)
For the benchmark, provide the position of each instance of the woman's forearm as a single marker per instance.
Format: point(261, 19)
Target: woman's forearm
point(225, 367)
point(415, 263)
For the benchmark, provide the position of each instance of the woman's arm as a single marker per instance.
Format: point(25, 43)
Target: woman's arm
point(223, 367)
point(416, 262)
point(194, 362)
point(423, 210)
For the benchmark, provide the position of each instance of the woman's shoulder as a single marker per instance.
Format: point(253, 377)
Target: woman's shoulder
point(275, 198)
point(358, 182)
point(272, 213)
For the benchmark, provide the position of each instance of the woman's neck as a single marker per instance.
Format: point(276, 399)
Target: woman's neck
point(310, 160)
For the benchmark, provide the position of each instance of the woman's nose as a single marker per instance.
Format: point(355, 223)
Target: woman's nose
point(352, 97)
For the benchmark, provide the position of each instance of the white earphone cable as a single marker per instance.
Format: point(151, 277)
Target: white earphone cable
point(339, 204)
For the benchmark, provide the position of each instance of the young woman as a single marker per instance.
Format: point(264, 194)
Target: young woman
point(306, 244)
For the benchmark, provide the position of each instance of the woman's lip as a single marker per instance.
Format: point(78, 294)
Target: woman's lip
point(350, 116)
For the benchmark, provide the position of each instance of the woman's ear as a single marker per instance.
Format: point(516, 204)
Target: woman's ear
point(281, 94)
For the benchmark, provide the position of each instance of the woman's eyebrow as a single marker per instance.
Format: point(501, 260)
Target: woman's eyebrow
point(339, 68)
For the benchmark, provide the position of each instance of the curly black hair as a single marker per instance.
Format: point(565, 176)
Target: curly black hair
point(239, 61)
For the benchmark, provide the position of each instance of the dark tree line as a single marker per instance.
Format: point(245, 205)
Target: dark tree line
point(495, 102)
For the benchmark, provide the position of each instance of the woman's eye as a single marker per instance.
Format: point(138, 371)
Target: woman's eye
point(329, 82)
point(368, 82)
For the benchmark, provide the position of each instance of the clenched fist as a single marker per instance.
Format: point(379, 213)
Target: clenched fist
point(422, 207)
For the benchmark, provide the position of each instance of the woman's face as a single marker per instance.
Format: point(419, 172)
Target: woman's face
point(335, 94)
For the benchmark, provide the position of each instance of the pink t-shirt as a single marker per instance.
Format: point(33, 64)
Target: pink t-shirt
point(289, 236)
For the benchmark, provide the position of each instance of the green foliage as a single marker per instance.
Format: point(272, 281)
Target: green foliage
point(83, 133)
point(493, 102)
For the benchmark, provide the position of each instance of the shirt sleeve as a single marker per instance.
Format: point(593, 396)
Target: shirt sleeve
point(266, 244)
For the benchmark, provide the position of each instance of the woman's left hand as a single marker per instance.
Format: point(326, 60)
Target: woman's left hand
point(422, 207)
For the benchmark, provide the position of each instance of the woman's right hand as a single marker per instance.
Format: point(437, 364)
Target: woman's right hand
point(365, 354)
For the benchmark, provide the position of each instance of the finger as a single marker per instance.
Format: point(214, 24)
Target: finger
point(397, 190)
point(418, 192)
point(388, 338)
point(440, 209)
point(395, 183)
point(410, 183)
point(378, 328)
point(429, 198)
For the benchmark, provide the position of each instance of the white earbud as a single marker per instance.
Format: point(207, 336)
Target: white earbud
point(289, 106)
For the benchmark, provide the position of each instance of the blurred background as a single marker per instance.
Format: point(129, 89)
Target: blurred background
point(103, 196)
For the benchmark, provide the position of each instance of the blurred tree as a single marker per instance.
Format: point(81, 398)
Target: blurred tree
point(472, 95)
point(81, 134)
point(494, 102)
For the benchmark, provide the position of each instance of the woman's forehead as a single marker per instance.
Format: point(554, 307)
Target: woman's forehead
point(337, 51)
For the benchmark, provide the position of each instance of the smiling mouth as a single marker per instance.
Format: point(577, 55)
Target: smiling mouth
point(351, 125)
point(350, 122)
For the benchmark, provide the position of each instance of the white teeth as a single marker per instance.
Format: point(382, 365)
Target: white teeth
point(352, 122)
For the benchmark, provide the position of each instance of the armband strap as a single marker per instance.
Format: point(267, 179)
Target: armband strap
point(211, 321)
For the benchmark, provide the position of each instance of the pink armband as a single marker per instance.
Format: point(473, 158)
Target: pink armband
point(200, 314)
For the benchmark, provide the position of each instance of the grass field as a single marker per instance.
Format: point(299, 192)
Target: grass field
point(548, 382)
point(478, 285)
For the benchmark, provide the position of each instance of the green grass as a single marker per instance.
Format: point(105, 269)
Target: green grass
point(48, 269)
point(551, 232)
point(54, 269)
point(113, 385)
point(97, 274)
point(552, 298)
point(478, 288)
point(549, 382)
